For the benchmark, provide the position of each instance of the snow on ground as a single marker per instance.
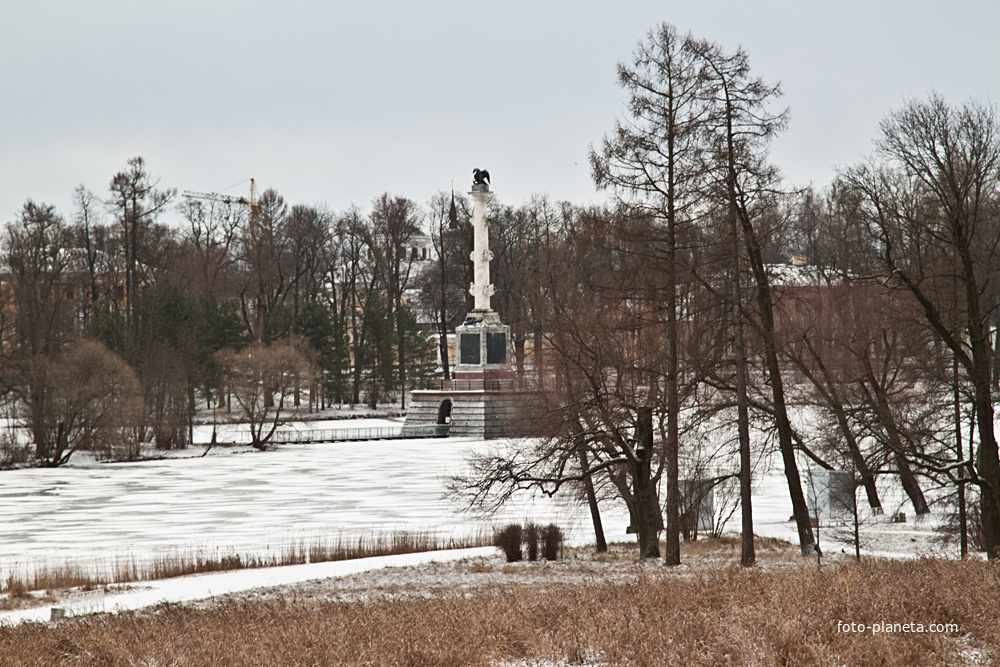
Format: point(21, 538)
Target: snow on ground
point(240, 501)
point(203, 586)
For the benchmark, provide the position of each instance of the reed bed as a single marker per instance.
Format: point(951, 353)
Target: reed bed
point(720, 616)
point(52, 576)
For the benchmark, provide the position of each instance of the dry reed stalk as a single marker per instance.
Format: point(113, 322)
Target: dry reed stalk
point(177, 563)
point(722, 616)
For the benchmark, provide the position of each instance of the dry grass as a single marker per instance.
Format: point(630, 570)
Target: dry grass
point(715, 616)
point(49, 576)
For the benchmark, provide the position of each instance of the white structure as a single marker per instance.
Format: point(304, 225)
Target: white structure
point(421, 253)
point(481, 398)
point(481, 288)
point(483, 340)
point(831, 495)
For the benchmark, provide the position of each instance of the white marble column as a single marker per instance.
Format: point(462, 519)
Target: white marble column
point(481, 288)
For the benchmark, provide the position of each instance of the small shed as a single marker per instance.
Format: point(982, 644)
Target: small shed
point(831, 495)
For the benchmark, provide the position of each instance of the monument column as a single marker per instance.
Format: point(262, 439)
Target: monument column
point(481, 400)
point(482, 340)
point(481, 288)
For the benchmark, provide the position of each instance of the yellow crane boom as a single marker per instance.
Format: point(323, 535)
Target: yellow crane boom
point(251, 203)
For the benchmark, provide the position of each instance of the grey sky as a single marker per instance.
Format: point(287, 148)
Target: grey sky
point(336, 102)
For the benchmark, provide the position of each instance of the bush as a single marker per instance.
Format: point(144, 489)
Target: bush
point(552, 542)
point(531, 536)
point(509, 540)
point(12, 453)
point(949, 531)
point(547, 542)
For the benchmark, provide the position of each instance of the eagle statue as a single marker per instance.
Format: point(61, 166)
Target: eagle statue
point(480, 177)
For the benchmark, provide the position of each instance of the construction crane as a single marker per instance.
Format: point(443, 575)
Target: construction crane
point(251, 203)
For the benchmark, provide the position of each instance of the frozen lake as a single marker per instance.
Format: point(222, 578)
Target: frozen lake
point(245, 501)
point(249, 501)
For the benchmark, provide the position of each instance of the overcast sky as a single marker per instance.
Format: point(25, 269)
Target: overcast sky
point(335, 102)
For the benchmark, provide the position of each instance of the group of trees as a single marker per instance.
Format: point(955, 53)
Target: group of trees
point(671, 322)
point(206, 312)
point(116, 326)
point(670, 344)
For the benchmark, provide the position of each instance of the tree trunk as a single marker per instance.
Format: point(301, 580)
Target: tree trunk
point(595, 512)
point(443, 350)
point(989, 456)
point(989, 469)
point(401, 345)
point(911, 486)
point(737, 209)
point(996, 358)
point(860, 465)
point(959, 456)
point(906, 477)
point(748, 555)
point(192, 408)
point(827, 388)
point(648, 518)
point(800, 510)
point(519, 354)
point(537, 358)
point(672, 544)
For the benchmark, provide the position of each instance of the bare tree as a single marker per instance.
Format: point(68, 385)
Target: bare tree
point(263, 253)
point(37, 256)
point(262, 379)
point(308, 229)
point(603, 385)
point(87, 223)
point(89, 399)
point(443, 287)
point(394, 222)
point(823, 324)
point(653, 163)
point(211, 235)
point(136, 202)
point(517, 237)
point(929, 197)
point(349, 272)
point(739, 131)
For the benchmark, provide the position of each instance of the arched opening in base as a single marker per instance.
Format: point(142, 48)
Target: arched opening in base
point(444, 412)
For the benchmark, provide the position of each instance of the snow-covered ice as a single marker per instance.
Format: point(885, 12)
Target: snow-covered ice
point(244, 502)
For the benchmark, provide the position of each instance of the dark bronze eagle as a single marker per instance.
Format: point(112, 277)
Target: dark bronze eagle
point(480, 177)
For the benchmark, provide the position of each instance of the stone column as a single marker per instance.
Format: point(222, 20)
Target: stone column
point(481, 288)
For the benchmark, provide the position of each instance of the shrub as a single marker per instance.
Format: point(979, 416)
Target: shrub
point(509, 540)
point(949, 531)
point(545, 542)
point(552, 542)
point(14, 454)
point(531, 536)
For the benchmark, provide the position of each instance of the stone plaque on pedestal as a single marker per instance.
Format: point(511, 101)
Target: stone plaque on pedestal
point(483, 342)
point(496, 347)
point(469, 346)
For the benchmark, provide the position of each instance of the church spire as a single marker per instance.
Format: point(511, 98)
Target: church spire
point(452, 212)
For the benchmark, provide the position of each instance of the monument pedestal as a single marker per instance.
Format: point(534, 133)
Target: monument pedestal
point(481, 344)
point(471, 409)
point(482, 400)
